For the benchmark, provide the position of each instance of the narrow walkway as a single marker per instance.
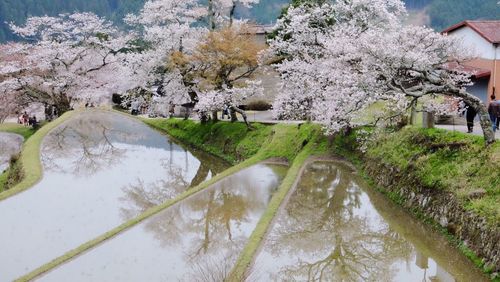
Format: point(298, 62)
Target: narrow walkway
point(267, 117)
point(463, 128)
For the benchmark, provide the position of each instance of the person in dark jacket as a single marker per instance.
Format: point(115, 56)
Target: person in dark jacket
point(470, 115)
point(494, 112)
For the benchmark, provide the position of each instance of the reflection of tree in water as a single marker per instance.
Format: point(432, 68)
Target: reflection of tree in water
point(85, 144)
point(208, 225)
point(140, 196)
point(321, 222)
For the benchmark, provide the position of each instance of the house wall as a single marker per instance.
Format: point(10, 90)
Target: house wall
point(471, 39)
point(488, 58)
point(494, 79)
point(480, 89)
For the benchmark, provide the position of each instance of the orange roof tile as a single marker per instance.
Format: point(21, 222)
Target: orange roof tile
point(489, 30)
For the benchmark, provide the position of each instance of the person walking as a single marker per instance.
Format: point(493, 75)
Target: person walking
point(494, 112)
point(470, 115)
point(225, 112)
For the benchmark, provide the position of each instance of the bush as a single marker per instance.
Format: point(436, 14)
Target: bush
point(117, 99)
point(259, 105)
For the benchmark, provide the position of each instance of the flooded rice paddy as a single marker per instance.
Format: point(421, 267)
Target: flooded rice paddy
point(199, 239)
point(100, 169)
point(10, 145)
point(336, 228)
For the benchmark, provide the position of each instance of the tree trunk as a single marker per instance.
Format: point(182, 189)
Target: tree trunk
point(203, 117)
point(482, 112)
point(242, 113)
point(413, 112)
point(211, 15)
point(215, 116)
point(232, 113)
point(231, 14)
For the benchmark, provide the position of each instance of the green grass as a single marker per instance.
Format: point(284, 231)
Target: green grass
point(234, 142)
point(29, 160)
point(451, 161)
point(22, 130)
point(230, 141)
point(4, 177)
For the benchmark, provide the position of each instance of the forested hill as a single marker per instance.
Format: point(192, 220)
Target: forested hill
point(436, 13)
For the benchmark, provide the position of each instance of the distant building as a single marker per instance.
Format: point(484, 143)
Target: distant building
point(269, 77)
point(260, 32)
point(484, 38)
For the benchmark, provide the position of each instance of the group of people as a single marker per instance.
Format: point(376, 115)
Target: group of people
point(493, 111)
point(27, 120)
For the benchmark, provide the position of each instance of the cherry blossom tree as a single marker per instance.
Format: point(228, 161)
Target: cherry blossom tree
point(337, 59)
point(66, 59)
point(10, 66)
point(180, 46)
point(222, 65)
point(221, 12)
point(166, 27)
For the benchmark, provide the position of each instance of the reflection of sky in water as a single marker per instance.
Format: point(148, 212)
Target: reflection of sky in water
point(334, 230)
point(10, 144)
point(199, 236)
point(74, 203)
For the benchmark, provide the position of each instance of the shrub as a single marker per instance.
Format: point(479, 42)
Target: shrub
point(259, 105)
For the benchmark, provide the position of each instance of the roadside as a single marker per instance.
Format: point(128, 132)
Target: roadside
point(266, 117)
point(463, 128)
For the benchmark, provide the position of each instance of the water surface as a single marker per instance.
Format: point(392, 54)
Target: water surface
point(336, 228)
point(198, 239)
point(10, 145)
point(100, 169)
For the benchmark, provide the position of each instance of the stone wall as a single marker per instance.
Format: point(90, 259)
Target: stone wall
point(444, 208)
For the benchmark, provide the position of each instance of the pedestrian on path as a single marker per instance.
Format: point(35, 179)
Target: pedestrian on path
point(494, 112)
point(225, 111)
point(470, 115)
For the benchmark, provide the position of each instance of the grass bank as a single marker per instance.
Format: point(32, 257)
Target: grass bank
point(450, 161)
point(437, 174)
point(24, 131)
point(29, 164)
point(230, 141)
point(245, 147)
point(11, 176)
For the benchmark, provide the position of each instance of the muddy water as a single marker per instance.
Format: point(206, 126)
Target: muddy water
point(198, 239)
point(100, 169)
point(10, 145)
point(336, 228)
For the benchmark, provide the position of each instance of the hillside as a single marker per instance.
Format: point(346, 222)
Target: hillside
point(436, 13)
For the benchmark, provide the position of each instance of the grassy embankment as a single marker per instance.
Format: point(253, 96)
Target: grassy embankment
point(11, 176)
point(452, 161)
point(449, 161)
point(235, 143)
point(28, 168)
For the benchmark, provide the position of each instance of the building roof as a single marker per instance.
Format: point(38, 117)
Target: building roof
point(260, 29)
point(489, 30)
point(474, 72)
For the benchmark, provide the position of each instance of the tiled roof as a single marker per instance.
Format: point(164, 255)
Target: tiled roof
point(260, 29)
point(489, 30)
point(473, 71)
